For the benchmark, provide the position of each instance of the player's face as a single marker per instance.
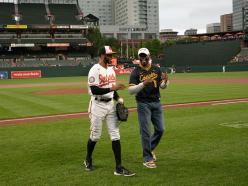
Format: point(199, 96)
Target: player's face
point(144, 59)
point(108, 58)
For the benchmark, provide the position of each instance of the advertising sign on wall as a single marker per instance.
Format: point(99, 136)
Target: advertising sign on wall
point(25, 74)
point(16, 26)
point(123, 71)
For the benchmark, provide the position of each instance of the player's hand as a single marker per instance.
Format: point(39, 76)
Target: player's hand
point(164, 76)
point(148, 81)
point(120, 100)
point(118, 87)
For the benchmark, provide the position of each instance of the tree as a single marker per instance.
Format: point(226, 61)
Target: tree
point(95, 37)
point(155, 47)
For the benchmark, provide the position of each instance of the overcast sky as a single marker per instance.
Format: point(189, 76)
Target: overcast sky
point(180, 15)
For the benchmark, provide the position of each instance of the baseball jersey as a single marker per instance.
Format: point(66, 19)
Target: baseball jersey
point(102, 78)
point(149, 93)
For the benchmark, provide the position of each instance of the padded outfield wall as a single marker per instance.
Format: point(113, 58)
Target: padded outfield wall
point(205, 53)
point(62, 71)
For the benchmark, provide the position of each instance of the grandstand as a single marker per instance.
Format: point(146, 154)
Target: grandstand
point(65, 13)
point(7, 13)
point(43, 34)
point(33, 14)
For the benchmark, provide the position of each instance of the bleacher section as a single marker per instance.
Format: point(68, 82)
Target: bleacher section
point(201, 54)
point(8, 38)
point(7, 11)
point(36, 40)
point(49, 62)
point(64, 13)
point(33, 14)
point(28, 39)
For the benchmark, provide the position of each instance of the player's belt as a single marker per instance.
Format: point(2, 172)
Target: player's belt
point(103, 99)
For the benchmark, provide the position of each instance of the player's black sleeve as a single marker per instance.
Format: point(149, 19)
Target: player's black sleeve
point(116, 96)
point(99, 91)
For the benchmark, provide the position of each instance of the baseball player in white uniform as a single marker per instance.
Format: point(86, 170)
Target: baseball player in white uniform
point(103, 91)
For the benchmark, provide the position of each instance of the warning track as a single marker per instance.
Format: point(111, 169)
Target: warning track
point(36, 119)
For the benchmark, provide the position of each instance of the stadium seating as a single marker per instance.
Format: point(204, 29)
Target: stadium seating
point(33, 13)
point(31, 40)
point(37, 40)
point(6, 13)
point(64, 13)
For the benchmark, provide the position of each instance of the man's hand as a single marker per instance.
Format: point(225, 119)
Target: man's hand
point(120, 100)
point(118, 87)
point(148, 81)
point(164, 77)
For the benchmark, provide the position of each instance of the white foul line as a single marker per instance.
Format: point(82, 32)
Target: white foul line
point(43, 117)
point(214, 103)
point(231, 102)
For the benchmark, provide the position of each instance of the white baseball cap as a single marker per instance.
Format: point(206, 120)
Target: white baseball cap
point(144, 51)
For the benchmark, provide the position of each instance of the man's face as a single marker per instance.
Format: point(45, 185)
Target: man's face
point(144, 59)
point(108, 58)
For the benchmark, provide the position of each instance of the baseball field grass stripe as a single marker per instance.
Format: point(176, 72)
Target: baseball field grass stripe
point(77, 115)
point(196, 150)
point(28, 103)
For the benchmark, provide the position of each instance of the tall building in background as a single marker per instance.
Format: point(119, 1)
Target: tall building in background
point(125, 19)
point(226, 23)
point(103, 9)
point(137, 13)
point(238, 6)
point(190, 32)
point(213, 28)
point(167, 34)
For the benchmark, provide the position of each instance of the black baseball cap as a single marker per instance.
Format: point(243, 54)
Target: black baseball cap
point(106, 50)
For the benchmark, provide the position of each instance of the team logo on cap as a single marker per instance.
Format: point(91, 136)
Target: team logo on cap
point(108, 50)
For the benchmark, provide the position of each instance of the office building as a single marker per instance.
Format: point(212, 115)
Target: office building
point(213, 28)
point(190, 32)
point(226, 23)
point(99, 8)
point(240, 8)
point(167, 34)
point(125, 19)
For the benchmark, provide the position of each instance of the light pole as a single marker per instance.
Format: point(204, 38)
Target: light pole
point(121, 48)
point(127, 43)
point(132, 29)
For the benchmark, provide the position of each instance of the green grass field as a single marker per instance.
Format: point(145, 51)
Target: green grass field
point(205, 145)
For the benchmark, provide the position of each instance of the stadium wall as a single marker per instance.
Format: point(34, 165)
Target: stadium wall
point(205, 53)
point(210, 68)
point(68, 71)
point(60, 71)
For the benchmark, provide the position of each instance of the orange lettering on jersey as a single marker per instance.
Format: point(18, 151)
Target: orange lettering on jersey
point(105, 80)
point(111, 77)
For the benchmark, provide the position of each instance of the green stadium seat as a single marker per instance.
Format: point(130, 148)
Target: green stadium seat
point(33, 13)
point(6, 13)
point(64, 13)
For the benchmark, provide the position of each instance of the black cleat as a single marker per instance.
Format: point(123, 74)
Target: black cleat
point(88, 165)
point(121, 171)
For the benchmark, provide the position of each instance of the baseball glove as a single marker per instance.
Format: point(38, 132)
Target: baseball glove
point(122, 112)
